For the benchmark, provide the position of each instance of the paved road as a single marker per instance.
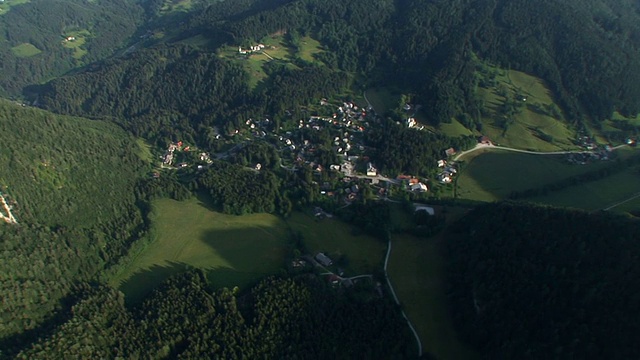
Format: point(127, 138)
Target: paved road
point(491, 146)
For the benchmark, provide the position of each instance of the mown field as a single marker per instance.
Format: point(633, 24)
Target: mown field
point(233, 250)
point(494, 174)
point(600, 194)
point(528, 128)
point(416, 270)
point(25, 50)
point(363, 253)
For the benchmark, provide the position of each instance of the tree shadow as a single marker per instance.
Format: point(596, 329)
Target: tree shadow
point(139, 285)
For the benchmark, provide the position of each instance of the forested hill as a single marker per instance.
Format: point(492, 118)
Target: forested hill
point(542, 283)
point(33, 37)
point(300, 318)
point(70, 183)
point(588, 52)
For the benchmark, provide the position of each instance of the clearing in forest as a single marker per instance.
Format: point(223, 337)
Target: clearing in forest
point(76, 40)
point(233, 250)
point(6, 5)
point(25, 50)
point(519, 111)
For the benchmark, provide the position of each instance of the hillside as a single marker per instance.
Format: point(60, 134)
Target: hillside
point(553, 284)
point(43, 39)
point(70, 185)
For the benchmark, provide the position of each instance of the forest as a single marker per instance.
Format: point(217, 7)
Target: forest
point(532, 282)
point(44, 24)
point(184, 318)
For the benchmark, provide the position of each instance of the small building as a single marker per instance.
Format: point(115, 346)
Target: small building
point(323, 259)
point(484, 140)
point(371, 170)
point(442, 163)
point(450, 152)
point(419, 187)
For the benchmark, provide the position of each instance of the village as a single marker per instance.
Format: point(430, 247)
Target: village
point(345, 124)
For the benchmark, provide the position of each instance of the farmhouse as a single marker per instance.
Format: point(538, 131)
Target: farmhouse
point(484, 140)
point(371, 170)
point(419, 187)
point(323, 259)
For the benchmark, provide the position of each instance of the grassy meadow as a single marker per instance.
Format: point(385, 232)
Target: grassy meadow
point(531, 126)
point(25, 50)
point(599, 194)
point(233, 250)
point(493, 174)
point(336, 238)
point(382, 99)
point(78, 42)
point(416, 270)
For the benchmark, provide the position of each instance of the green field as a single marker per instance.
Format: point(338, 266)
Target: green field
point(170, 6)
point(6, 5)
point(25, 50)
point(455, 129)
point(532, 128)
point(600, 194)
point(309, 47)
point(416, 270)
point(494, 174)
point(233, 250)
point(363, 253)
point(382, 99)
point(78, 42)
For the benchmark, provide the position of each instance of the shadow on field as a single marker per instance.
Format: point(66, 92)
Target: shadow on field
point(141, 283)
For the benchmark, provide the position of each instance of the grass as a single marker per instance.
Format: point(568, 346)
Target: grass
point(493, 175)
point(25, 50)
point(530, 127)
point(170, 6)
point(455, 129)
point(309, 47)
point(382, 99)
point(233, 250)
point(7, 4)
point(77, 45)
point(144, 151)
point(600, 194)
point(416, 270)
point(364, 253)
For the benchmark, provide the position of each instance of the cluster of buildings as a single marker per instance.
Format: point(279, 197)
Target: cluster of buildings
point(449, 171)
point(252, 48)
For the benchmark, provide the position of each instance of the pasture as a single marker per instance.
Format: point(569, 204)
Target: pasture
point(538, 125)
point(232, 250)
point(25, 50)
point(382, 99)
point(493, 174)
point(599, 194)
point(417, 272)
point(308, 48)
point(76, 40)
point(363, 253)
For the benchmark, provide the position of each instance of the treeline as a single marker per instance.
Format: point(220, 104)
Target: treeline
point(399, 149)
point(532, 282)
point(70, 183)
point(44, 23)
point(183, 318)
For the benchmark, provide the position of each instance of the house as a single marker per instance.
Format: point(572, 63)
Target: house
point(445, 178)
point(450, 152)
point(484, 140)
point(371, 170)
point(419, 187)
point(323, 259)
point(442, 163)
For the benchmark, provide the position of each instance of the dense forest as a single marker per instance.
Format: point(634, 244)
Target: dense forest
point(70, 183)
point(43, 26)
point(279, 318)
point(541, 283)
